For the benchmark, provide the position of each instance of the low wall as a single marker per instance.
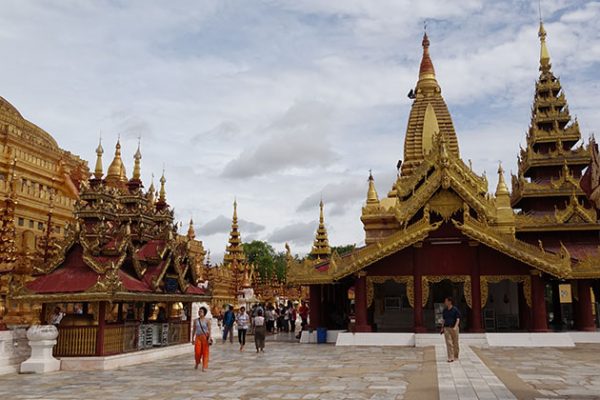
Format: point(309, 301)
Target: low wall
point(13, 350)
point(124, 360)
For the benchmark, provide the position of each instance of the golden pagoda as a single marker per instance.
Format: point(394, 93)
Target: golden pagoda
point(547, 185)
point(39, 185)
point(321, 249)
point(439, 232)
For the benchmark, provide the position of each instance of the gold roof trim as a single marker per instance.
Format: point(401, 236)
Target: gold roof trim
point(305, 272)
point(558, 265)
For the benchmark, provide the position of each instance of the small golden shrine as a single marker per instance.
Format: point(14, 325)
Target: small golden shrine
point(123, 276)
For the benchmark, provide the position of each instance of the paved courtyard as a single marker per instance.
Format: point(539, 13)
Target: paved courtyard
point(292, 371)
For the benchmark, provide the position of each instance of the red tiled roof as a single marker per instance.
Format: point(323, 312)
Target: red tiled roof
point(194, 290)
point(73, 276)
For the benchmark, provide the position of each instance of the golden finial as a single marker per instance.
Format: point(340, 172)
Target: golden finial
point(137, 157)
point(162, 197)
point(544, 53)
point(501, 189)
point(426, 70)
point(235, 217)
point(191, 233)
point(98, 172)
point(372, 197)
point(116, 170)
point(321, 247)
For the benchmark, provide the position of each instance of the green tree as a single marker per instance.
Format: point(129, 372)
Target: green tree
point(262, 255)
point(341, 250)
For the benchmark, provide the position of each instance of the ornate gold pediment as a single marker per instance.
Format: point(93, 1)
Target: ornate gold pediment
point(445, 203)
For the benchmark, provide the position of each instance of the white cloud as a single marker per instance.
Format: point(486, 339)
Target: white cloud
point(295, 98)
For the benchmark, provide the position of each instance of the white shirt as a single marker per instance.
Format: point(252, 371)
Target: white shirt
point(243, 321)
point(259, 321)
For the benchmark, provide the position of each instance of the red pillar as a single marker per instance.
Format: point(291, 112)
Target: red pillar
point(584, 317)
point(418, 304)
point(538, 303)
point(418, 292)
point(360, 300)
point(524, 310)
point(314, 310)
point(475, 310)
point(100, 331)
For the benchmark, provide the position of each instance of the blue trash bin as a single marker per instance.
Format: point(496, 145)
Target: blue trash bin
point(321, 335)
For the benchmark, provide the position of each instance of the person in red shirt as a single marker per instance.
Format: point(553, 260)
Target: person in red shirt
point(303, 311)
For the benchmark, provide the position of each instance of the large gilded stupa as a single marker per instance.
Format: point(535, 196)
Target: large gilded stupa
point(439, 232)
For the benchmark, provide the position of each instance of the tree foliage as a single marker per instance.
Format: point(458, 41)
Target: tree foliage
point(341, 250)
point(269, 265)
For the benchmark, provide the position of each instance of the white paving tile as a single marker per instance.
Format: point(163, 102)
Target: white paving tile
point(468, 378)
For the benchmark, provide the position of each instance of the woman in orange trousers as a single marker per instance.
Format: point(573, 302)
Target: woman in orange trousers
point(202, 338)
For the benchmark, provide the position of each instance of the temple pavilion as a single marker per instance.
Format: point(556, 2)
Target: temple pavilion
point(506, 258)
point(123, 275)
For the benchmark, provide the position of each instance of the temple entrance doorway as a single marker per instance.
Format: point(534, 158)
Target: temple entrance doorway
point(438, 291)
point(391, 308)
point(501, 311)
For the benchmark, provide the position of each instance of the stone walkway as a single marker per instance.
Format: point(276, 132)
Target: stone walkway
point(285, 371)
point(467, 378)
point(292, 371)
point(554, 373)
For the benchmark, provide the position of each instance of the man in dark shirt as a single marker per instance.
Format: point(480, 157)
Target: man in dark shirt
point(450, 328)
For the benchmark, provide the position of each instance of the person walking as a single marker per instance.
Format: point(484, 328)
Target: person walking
point(270, 317)
point(303, 312)
point(451, 316)
point(228, 321)
point(202, 338)
point(259, 331)
point(243, 323)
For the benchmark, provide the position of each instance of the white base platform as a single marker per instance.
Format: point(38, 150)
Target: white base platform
point(585, 337)
point(311, 337)
point(13, 350)
point(375, 339)
point(519, 339)
point(123, 360)
point(526, 339)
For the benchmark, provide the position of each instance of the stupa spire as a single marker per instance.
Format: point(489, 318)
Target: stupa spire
point(234, 252)
point(98, 170)
point(321, 249)
point(426, 71)
point(372, 197)
point(162, 195)
point(544, 53)
point(502, 188)
point(191, 233)
point(137, 170)
point(116, 171)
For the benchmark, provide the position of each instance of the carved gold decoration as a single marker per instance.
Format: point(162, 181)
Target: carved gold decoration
point(465, 279)
point(406, 280)
point(445, 204)
point(485, 280)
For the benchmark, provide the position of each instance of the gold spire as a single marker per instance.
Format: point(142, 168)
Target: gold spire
point(137, 157)
point(321, 249)
point(162, 197)
point(501, 189)
point(116, 170)
point(429, 116)
point(234, 252)
point(372, 197)
point(544, 53)
point(426, 71)
point(191, 233)
point(98, 172)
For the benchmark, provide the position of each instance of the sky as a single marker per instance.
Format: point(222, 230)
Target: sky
point(282, 103)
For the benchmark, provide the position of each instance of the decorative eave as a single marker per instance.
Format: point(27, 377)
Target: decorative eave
point(532, 159)
point(570, 133)
point(558, 265)
point(306, 272)
point(110, 297)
